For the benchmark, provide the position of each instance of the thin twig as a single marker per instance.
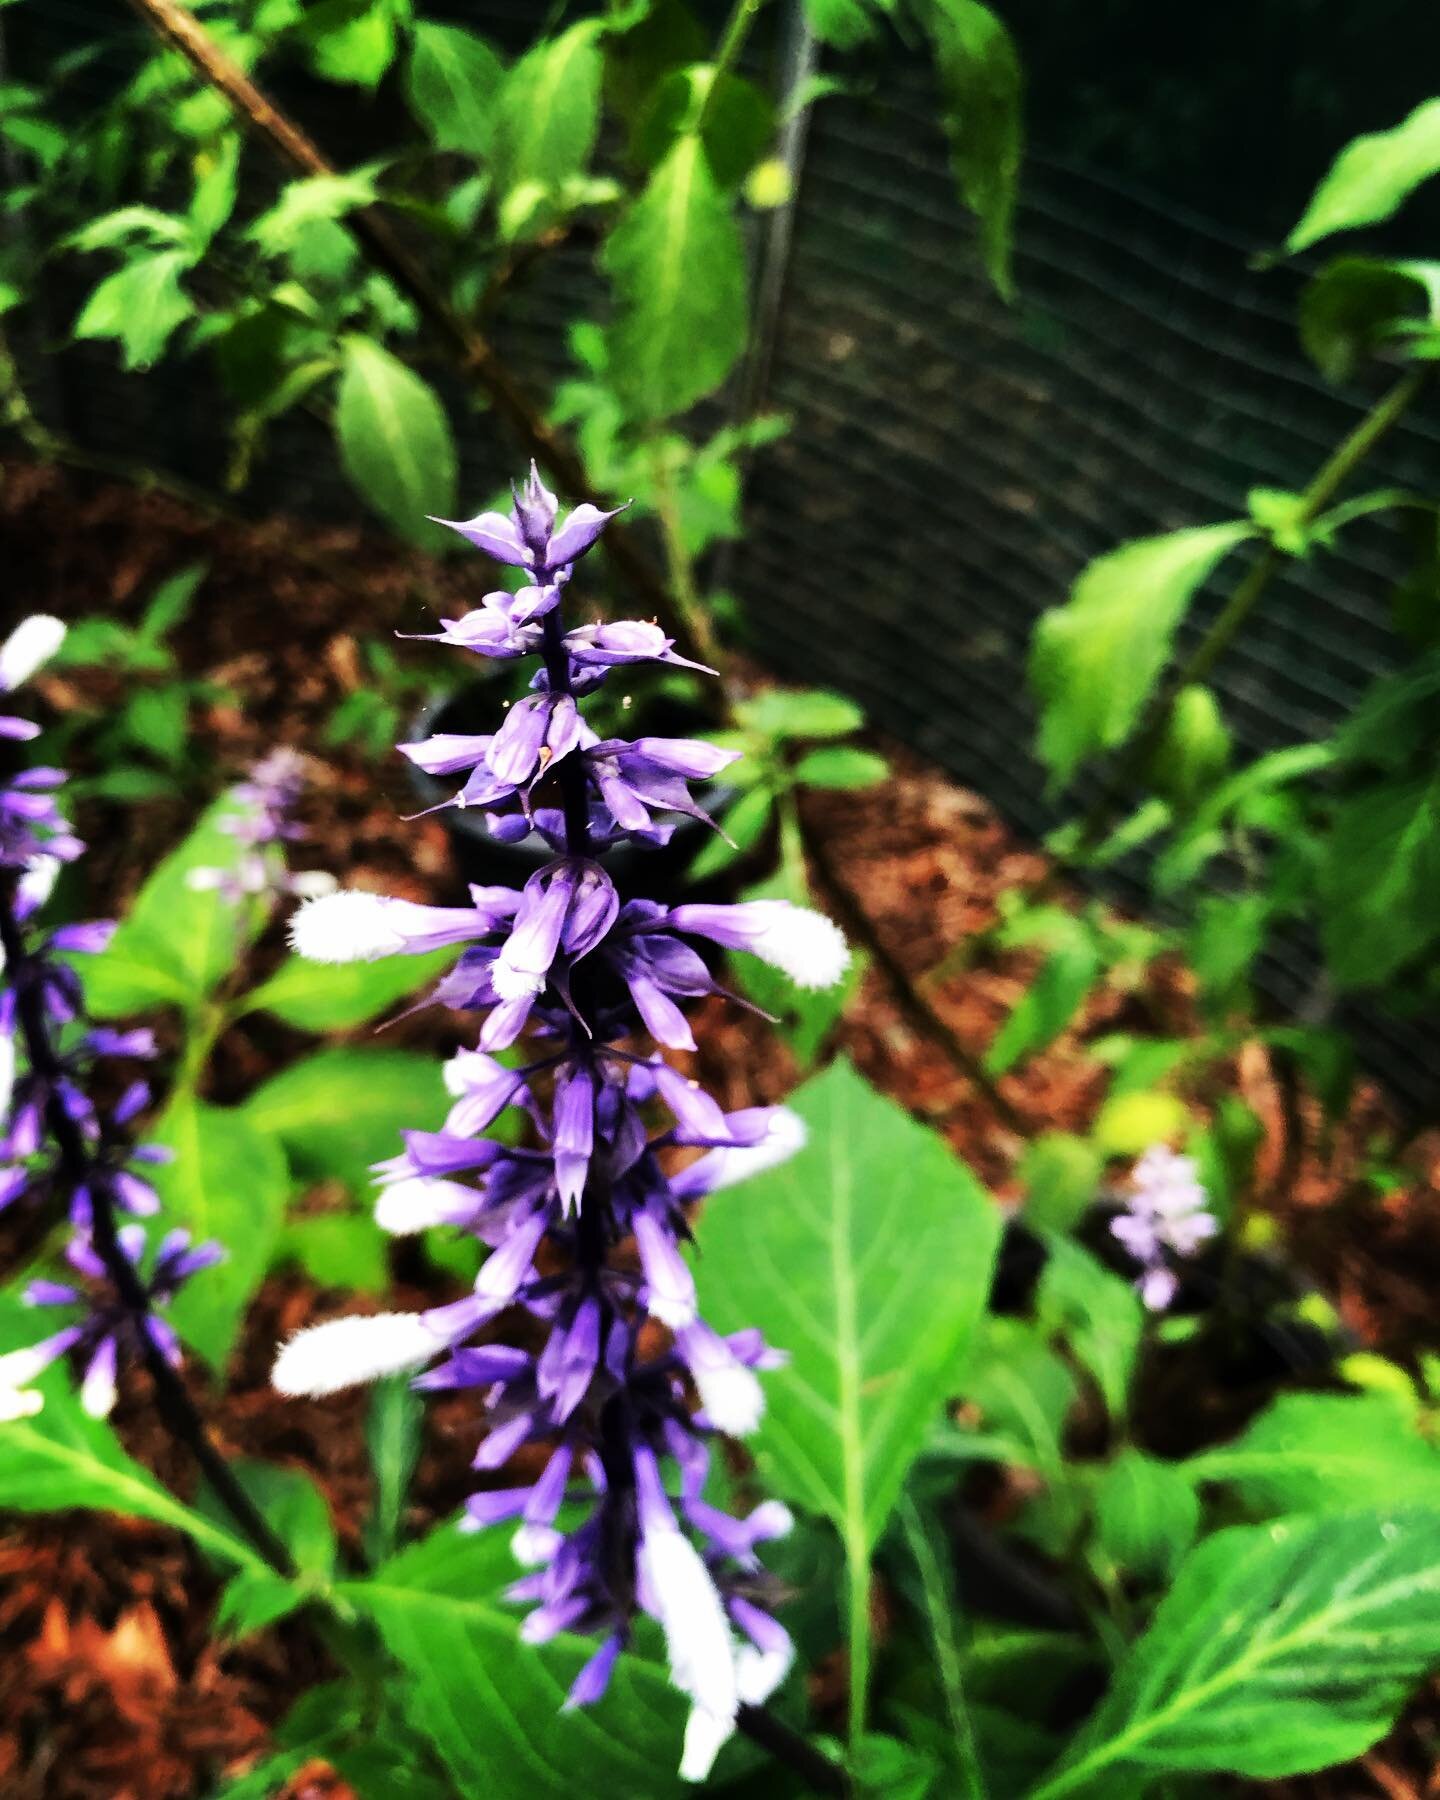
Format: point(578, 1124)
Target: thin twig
point(915, 1006)
point(472, 352)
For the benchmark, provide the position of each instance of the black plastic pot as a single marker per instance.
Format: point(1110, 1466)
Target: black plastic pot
point(653, 871)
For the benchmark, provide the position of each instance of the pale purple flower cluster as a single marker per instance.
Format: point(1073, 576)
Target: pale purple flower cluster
point(1166, 1214)
point(262, 824)
point(601, 1180)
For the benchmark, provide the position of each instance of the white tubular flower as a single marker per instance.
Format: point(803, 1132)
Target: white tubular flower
point(417, 1202)
point(802, 944)
point(722, 1168)
point(348, 926)
point(798, 941)
point(30, 645)
point(19, 1403)
point(697, 1640)
point(37, 883)
point(346, 1352)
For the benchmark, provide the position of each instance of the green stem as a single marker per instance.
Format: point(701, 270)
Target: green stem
point(679, 567)
point(857, 1609)
point(1347, 458)
point(940, 1610)
point(737, 29)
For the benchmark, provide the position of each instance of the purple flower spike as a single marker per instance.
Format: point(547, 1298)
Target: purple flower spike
point(585, 1217)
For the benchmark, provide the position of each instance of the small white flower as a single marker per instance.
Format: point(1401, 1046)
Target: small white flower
point(800, 942)
point(346, 1352)
point(347, 926)
point(32, 643)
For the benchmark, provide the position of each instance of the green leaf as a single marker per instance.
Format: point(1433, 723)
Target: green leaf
point(336, 996)
point(394, 438)
point(341, 1110)
point(1023, 1388)
point(61, 1458)
point(1280, 1649)
point(782, 713)
point(930, 1550)
point(1360, 304)
point(1061, 1174)
point(392, 1437)
point(872, 1285)
point(1327, 1452)
point(350, 41)
point(339, 1250)
point(491, 1703)
point(176, 942)
point(1194, 751)
point(1371, 177)
point(840, 766)
point(736, 125)
point(1047, 1006)
point(844, 23)
point(227, 1181)
point(453, 85)
point(297, 1512)
point(170, 602)
point(981, 84)
point(745, 823)
point(140, 305)
point(548, 114)
point(1378, 878)
point(159, 720)
point(1094, 661)
point(678, 268)
point(1099, 1316)
point(1129, 1123)
point(317, 200)
point(1146, 1513)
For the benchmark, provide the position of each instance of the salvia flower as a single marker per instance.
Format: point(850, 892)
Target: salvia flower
point(112, 1328)
point(616, 1379)
point(1166, 1215)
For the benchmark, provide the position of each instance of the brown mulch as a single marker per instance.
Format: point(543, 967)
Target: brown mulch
point(111, 1687)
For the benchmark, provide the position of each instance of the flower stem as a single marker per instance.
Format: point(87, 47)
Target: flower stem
point(177, 1411)
point(737, 29)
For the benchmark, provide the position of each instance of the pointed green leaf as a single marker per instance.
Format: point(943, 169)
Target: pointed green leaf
point(679, 272)
point(141, 305)
point(491, 1703)
point(343, 1109)
point(336, 996)
point(1280, 1649)
point(176, 942)
point(453, 86)
point(394, 438)
point(226, 1181)
point(549, 112)
point(60, 1457)
point(1372, 176)
point(1313, 1452)
point(980, 81)
point(1094, 660)
point(873, 1284)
